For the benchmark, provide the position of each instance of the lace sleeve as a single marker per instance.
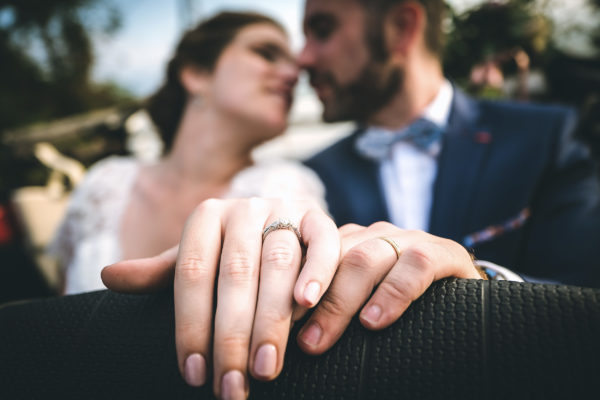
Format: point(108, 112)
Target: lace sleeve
point(279, 179)
point(93, 214)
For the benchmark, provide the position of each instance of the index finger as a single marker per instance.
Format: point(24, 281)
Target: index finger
point(322, 240)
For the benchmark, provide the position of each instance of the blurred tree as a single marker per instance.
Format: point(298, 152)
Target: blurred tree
point(494, 39)
point(47, 55)
point(497, 41)
point(45, 74)
point(597, 32)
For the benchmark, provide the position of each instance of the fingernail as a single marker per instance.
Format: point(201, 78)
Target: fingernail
point(232, 386)
point(312, 334)
point(265, 362)
point(311, 293)
point(372, 314)
point(195, 370)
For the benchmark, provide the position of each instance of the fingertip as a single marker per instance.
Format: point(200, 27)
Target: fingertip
point(379, 314)
point(110, 277)
point(308, 295)
point(265, 363)
point(370, 316)
point(312, 293)
point(310, 338)
point(234, 385)
point(105, 275)
point(194, 370)
point(310, 350)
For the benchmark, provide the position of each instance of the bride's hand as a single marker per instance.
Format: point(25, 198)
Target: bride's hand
point(257, 288)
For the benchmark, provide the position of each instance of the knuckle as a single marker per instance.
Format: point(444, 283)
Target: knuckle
point(208, 206)
point(452, 246)
point(358, 258)
point(349, 228)
point(420, 256)
point(381, 226)
point(255, 205)
point(234, 341)
point(414, 232)
point(274, 317)
point(404, 291)
point(279, 257)
point(239, 268)
point(193, 269)
point(333, 304)
point(307, 203)
point(192, 334)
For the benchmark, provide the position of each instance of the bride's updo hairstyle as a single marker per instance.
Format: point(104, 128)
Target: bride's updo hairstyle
point(200, 47)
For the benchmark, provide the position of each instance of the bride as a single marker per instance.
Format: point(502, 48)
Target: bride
point(228, 88)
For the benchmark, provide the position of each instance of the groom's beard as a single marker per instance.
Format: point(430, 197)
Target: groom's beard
point(375, 86)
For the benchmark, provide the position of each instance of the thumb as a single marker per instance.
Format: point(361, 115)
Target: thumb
point(142, 275)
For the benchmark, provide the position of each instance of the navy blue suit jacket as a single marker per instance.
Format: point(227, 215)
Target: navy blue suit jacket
point(497, 159)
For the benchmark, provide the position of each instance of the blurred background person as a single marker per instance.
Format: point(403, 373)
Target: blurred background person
point(541, 51)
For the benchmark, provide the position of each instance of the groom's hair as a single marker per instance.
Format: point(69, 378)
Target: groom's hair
point(376, 10)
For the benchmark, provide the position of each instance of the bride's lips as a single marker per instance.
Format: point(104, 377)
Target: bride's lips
point(284, 94)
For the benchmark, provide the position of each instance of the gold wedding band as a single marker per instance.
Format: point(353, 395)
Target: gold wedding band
point(393, 244)
point(282, 224)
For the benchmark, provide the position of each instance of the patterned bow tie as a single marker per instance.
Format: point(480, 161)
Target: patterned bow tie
point(376, 144)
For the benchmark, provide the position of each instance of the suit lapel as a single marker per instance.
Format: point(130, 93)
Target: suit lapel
point(364, 195)
point(460, 163)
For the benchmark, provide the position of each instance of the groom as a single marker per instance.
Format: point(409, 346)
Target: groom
point(505, 179)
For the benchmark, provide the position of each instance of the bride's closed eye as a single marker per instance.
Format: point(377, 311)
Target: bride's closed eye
point(271, 52)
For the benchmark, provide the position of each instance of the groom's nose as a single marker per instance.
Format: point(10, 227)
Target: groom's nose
point(307, 57)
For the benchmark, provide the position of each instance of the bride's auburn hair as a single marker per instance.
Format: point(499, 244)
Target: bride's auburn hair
point(199, 47)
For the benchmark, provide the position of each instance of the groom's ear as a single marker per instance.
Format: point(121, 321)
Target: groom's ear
point(404, 28)
point(194, 80)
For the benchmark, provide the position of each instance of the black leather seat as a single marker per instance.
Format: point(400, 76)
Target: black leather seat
point(463, 339)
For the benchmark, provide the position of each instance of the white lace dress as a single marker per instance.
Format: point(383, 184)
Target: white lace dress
point(88, 238)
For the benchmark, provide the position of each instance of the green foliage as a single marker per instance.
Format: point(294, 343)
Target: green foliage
point(47, 55)
point(518, 37)
point(494, 31)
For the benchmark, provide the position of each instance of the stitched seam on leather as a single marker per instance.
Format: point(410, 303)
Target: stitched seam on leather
point(486, 314)
point(83, 334)
point(362, 380)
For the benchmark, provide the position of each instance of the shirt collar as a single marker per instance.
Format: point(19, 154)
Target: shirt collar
point(438, 111)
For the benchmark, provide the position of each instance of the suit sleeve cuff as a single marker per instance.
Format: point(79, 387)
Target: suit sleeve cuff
point(498, 273)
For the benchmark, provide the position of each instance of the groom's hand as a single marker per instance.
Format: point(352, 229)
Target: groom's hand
point(398, 264)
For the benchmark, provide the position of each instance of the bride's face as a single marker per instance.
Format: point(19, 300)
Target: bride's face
point(254, 79)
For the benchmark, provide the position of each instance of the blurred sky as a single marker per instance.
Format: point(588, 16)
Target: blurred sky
point(135, 57)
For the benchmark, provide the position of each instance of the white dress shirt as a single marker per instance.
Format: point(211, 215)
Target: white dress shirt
point(407, 178)
point(408, 175)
